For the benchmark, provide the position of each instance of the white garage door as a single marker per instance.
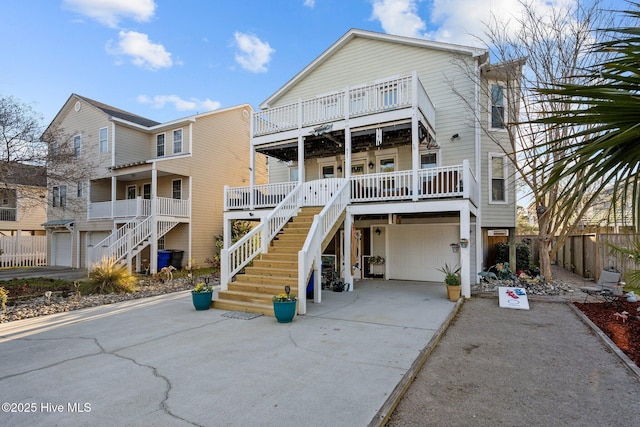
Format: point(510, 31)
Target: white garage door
point(417, 251)
point(61, 246)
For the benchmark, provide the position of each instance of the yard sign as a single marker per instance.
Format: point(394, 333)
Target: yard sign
point(513, 298)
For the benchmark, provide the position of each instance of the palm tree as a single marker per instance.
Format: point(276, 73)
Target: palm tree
point(605, 152)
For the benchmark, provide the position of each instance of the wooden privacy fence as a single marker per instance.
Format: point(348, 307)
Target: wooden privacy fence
point(23, 251)
point(588, 254)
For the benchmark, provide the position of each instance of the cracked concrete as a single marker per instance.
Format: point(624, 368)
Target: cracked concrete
point(160, 362)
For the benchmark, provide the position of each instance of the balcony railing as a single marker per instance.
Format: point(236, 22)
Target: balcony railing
point(352, 102)
point(139, 207)
point(437, 183)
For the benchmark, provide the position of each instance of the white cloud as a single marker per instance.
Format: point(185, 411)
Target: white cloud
point(253, 54)
point(452, 21)
point(143, 52)
point(110, 12)
point(310, 3)
point(399, 17)
point(193, 104)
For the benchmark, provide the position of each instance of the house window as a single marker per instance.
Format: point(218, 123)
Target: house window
point(60, 196)
point(497, 106)
point(104, 140)
point(160, 145)
point(54, 148)
point(131, 192)
point(293, 173)
point(80, 189)
point(76, 146)
point(328, 172)
point(357, 169)
point(387, 165)
point(428, 160)
point(177, 141)
point(176, 185)
point(497, 178)
point(161, 243)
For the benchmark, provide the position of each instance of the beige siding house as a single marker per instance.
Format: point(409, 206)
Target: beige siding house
point(385, 149)
point(152, 186)
point(23, 208)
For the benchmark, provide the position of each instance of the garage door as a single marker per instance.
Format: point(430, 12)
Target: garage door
point(417, 251)
point(61, 246)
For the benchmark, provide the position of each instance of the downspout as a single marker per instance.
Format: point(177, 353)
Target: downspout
point(478, 168)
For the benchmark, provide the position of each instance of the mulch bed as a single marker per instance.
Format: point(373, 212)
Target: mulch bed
point(625, 333)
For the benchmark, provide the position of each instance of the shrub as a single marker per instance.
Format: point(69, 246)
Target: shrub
point(3, 298)
point(523, 255)
point(108, 277)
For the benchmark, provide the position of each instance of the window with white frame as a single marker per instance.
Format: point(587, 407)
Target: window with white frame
point(176, 186)
point(160, 145)
point(76, 146)
point(104, 140)
point(80, 189)
point(59, 196)
point(497, 178)
point(131, 192)
point(293, 173)
point(177, 141)
point(328, 171)
point(498, 104)
point(161, 243)
point(428, 159)
point(146, 191)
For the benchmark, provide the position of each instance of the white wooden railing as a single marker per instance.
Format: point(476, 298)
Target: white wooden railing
point(139, 207)
point(238, 255)
point(263, 196)
point(311, 252)
point(392, 93)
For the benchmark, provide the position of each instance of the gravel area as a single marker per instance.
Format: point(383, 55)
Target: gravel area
point(57, 304)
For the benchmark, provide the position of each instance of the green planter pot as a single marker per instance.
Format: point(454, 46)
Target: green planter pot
point(284, 311)
point(201, 300)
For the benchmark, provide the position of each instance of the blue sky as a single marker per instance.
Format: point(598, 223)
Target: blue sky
point(166, 59)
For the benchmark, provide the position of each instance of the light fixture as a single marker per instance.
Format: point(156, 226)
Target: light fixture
point(371, 165)
point(455, 136)
point(378, 231)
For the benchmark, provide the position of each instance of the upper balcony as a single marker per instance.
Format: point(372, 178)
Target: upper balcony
point(139, 207)
point(386, 100)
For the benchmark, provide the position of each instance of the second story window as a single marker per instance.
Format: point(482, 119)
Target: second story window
point(76, 146)
point(104, 140)
point(80, 189)
point(428, 160)
point(177, 141)
point(60, 196)
point(54, 148)
point(497, 106)
point(497, 178)
point(160, 145)
point(177, 188)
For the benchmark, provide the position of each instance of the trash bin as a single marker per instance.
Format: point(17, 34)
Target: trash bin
point(176, 259)
point(163, 259)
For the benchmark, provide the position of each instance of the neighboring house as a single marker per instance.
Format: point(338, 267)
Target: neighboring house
point(392, 139)
point(152, 186)
point(23, 205)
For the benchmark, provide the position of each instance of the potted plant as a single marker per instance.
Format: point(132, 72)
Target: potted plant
point(284, 306)
point(201, 296)
point(452, 280)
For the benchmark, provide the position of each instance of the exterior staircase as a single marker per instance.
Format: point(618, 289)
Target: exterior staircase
point(252, 290)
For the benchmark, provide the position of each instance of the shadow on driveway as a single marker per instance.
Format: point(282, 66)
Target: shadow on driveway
point(51, 272)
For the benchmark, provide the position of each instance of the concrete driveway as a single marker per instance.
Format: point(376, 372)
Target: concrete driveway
point(157, 361)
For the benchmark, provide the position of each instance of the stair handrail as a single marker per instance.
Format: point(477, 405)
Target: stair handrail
point(112, 238)
point(131, 239)
point(238, 255)
point(312, 249)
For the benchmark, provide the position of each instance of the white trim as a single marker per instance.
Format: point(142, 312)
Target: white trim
point(164, 144)
point(505, 114)
point(324, 162)
point(491, 156)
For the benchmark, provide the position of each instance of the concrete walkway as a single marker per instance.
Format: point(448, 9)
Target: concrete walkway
point(157, 361)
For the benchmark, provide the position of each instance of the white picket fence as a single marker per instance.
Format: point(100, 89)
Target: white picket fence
point(23, 251)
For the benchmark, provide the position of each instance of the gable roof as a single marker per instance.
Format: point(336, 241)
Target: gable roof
point(480, 53)
point(20, 174)
point(117, 112)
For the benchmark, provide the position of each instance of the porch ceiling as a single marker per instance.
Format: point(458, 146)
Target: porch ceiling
point(332, 143)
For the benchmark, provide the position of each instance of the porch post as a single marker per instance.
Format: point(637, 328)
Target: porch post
point(252, 177)
point(224, 254)
point(415, 141)
point(154, 226)
point(346, 244)
point(347, 136)
point(114, 183)
point(301, 177)
point(465, 258)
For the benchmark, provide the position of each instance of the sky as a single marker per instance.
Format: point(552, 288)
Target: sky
point(167, 59)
